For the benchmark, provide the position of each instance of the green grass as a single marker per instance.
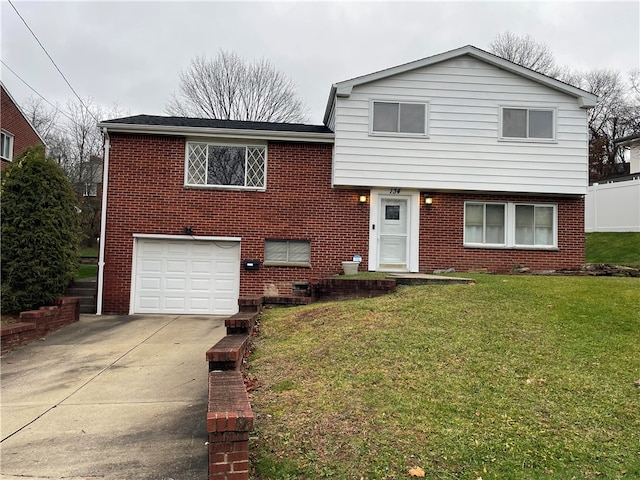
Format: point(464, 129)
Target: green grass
point(515, 377)
point(89, 251)
point(86, 271)
point(621, 248)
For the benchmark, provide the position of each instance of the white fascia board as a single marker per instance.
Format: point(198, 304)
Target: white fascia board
point(330, 102)
point(585, 99)
point(218, 132)
point(159, 236)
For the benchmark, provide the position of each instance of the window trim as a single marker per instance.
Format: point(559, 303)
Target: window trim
point(270, 263)
point(544, 108)
point(208, 143)
point(510, 226)
point(374, 133)
point(484, 226)
point(10, 139)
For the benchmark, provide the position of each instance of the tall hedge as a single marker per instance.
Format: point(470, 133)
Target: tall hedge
point(40, 231)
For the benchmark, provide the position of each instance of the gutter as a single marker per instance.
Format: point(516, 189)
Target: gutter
point(217, 132)
point(103, 220)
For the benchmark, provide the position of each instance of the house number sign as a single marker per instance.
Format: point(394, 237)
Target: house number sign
point(394, 191)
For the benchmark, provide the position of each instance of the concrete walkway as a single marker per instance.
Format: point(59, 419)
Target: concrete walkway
point(109, 397)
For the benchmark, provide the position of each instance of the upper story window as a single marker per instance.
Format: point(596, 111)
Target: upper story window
point(528, 123)
point(399, 118)
point(217, 165)
point(6, 146)
point(510, 225)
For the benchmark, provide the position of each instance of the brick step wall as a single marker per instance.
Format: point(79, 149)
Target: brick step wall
point(229, 414)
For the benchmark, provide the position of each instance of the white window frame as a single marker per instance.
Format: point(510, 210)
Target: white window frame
point(373, 132)
point(484, 225)
point(510, 226)
point(7, 143)
point(551, 109)
point(287, 263)
point(246, 146)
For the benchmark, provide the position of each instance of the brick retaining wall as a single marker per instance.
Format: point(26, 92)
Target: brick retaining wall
point(36, 324)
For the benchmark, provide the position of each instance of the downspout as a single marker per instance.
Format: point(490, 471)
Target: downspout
point(103, 220)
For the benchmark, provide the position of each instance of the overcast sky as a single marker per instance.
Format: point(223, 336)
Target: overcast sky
point(131, 53)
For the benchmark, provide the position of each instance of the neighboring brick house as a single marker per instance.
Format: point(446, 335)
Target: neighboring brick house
point(461, 160)
point(17, 131)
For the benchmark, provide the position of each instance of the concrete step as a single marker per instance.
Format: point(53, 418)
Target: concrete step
point(74, 291)
point(428, 279)
point(85, 283)
point(88, 308)
point(287, 300)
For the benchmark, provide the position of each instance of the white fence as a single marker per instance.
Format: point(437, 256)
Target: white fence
point(613, 207)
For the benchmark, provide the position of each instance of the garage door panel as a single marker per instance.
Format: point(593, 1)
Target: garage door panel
point(201, 285)
point(226, 306)
point(173, 302)
point(203, 249)
point(151, 266)
point(150, 283)
point(179, 249)
point(150, 302)
point(176, 284)
point(201, 304)
point(186, 276)
point(176, 266)
point(150, 248)
point(202, 267)
point(225, 267)
point(222, 285)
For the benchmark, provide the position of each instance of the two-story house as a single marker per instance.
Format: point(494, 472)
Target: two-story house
point(17, 132)
point(460, 160)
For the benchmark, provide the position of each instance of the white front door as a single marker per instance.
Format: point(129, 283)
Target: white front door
point(393, 233)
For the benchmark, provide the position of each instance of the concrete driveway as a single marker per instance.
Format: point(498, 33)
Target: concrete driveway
point(109, 397)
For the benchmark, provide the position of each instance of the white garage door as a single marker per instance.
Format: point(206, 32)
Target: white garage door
point(187, 276)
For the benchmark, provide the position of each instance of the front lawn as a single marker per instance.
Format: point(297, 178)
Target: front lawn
point(514, 377)
point(622, 248)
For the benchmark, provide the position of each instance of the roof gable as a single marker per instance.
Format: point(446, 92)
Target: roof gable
point(344, 88)
point(15, 104)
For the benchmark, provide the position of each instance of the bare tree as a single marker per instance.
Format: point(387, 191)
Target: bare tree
point(229, 88)
point(616, 115)
point(525, 51)
point(41, 117)
point(74, 141)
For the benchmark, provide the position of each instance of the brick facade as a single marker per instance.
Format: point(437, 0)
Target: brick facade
point(442, 229)
point(13, 122)
point(146, 195)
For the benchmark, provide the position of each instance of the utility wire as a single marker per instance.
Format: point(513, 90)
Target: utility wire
point(54, 63)
point(57, 109)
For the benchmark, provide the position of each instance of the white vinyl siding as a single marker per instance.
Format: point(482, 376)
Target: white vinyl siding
point(510, 225)
point(464, 150)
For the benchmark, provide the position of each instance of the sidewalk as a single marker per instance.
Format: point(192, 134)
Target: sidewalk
point(109, 397)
